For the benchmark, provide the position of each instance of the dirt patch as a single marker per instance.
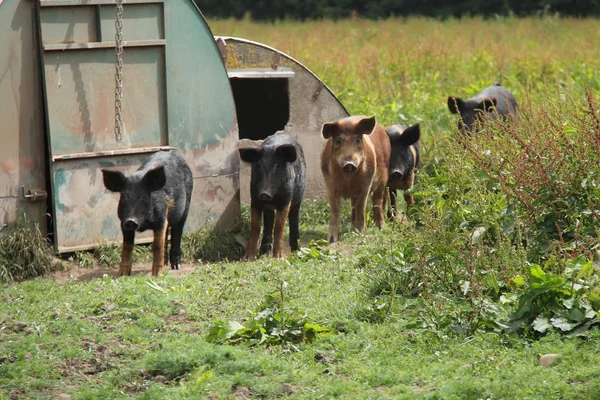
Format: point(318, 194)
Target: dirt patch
point(75, 273)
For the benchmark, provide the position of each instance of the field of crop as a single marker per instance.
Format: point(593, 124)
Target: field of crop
point(494, 267)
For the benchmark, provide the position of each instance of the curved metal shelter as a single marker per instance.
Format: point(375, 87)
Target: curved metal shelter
point(58, 74)
point(274, 92)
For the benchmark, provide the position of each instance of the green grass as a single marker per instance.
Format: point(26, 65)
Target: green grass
point(494, 268)
point(125, 338)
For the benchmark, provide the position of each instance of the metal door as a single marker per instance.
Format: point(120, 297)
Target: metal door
point(78, 46)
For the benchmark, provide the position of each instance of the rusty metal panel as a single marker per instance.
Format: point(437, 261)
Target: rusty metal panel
point(70, 24)
point(80, 86)
point(140, 22)
point(85, 210)
point(22, 166)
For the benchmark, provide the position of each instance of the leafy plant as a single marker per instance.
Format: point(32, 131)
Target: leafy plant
point(565, 302)
point(316, 250)
point(270, 324)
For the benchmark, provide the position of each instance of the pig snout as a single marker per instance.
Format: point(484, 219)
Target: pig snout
point(265, 196)
point(130, 225)
point(349, 166)
point(396, 175)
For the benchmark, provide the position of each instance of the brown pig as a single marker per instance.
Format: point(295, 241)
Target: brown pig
point(354, 162)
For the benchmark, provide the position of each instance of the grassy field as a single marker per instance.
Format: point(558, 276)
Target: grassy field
point(494, 268)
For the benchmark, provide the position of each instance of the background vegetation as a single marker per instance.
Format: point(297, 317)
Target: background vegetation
point(494, 267)
point(377, 9)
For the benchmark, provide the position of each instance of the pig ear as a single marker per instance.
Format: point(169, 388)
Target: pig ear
point(487, 104)
point(329, 129)
point(114, 180)
point(366, 125)
point(155, 179)
point(455, 104)
point(287, 152)
point(411, 135)
point(250, 154)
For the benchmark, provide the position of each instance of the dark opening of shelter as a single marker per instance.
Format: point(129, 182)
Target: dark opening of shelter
point(262, 106)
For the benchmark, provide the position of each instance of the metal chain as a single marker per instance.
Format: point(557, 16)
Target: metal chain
point(119, 72)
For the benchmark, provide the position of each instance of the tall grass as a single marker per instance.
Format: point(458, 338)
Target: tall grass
point(24, 252)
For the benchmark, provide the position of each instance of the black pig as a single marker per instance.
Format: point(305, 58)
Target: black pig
point(277, 183)
point(492, 102)
point(157, 196)
point(405, 158)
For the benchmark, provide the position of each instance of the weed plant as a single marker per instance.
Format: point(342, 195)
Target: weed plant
point(24, 252)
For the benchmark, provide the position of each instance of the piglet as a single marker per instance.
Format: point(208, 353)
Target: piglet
point(157, 196)
point(404, 161)
point(354, 163)
point(492, 102)
point(277, 183)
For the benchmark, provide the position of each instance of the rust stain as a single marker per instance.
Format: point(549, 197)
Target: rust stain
point(215, 193)
point(8, 167)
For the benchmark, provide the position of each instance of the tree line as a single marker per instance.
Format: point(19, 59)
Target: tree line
point(270, 10)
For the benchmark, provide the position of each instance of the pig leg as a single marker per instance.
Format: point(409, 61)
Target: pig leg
point(158, 249)
point(409, 183)
point(127, 254)
point(252, 247)
point(294, 221)
point(167, 241)
point(360, 209)
point(175, 254)
point(378, 200)
point(266, 245)
point(392, 207)
point(282, 216)
point(334, 218)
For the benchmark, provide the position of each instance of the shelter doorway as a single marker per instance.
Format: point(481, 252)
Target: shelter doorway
point(262, 106)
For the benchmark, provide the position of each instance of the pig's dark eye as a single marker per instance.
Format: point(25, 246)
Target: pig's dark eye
point(358, 141)
point(338, 142)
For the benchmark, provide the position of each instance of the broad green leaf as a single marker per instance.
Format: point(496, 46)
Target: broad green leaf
point(577, 315)
point(541, 324)
point(233, 327)
point(537, 274)
point(519, 280)
point(563, 324)
point(569, 303)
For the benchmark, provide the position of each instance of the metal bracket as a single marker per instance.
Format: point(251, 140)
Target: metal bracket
point(34, 194)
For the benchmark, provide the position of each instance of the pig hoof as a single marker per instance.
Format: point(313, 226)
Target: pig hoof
point(176, 266)
point(266, 249)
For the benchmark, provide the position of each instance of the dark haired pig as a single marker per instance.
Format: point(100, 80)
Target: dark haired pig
point(492, 102)
point(277, 183)
point(157, 196)
point(354, 163)
point(405, 158)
